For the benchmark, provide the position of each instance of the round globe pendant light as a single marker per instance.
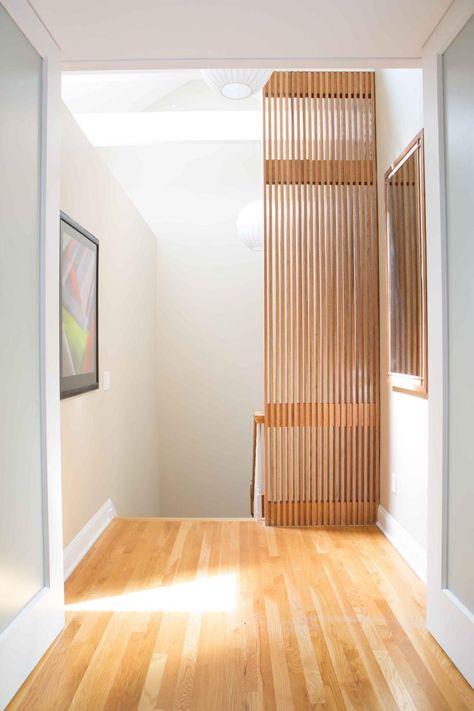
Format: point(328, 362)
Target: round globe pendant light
point(236, 83)
point(250, 225)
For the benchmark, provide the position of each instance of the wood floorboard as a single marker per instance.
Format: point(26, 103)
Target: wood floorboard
point(243, 617)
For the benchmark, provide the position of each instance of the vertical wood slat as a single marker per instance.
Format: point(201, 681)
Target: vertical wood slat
point(321, 299)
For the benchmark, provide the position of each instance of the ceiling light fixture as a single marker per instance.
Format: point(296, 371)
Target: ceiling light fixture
point(236, 83)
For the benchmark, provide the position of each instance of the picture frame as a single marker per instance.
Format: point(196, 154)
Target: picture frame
point(79, 308)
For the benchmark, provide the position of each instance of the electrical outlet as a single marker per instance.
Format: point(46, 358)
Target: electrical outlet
point(106, 380)
point(394, 484)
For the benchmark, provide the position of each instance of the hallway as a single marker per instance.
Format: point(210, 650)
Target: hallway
point(238, 616)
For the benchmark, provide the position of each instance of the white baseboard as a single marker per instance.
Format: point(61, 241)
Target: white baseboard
point(87, 536)
point(408, 548)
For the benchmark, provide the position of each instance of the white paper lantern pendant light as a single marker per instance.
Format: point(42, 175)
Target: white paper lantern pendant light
point(250, 225)
point(236, 83)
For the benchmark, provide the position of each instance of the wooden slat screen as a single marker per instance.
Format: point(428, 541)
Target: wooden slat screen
point(321, 299)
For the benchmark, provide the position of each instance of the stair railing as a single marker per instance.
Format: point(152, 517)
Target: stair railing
point(256, 484)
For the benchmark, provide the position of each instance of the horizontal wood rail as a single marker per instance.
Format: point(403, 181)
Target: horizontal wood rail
point(324, 512)
point(320, 85)
point(319, 172)
point(312, 414)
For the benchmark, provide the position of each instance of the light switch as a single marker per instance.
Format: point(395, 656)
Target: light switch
point(106, 380)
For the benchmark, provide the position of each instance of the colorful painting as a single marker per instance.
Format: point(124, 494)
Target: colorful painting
point(79, 257)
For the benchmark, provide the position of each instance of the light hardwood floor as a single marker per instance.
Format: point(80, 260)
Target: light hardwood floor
point(245, 617)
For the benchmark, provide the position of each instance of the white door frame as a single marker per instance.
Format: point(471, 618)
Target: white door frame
point(26, 639)
point(447, 619)
point(29, 635)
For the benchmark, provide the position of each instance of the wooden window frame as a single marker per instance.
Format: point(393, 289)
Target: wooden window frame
point(403, 382)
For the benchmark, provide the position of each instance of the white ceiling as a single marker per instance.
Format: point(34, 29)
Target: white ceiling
point(135, 108)
point(101, 92)
point(193, 31)
point(188, 158)
point(89, 92)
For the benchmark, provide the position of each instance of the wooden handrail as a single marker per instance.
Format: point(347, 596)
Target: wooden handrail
point(258, 419)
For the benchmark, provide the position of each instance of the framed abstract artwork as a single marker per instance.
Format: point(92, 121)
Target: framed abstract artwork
point(79, 271)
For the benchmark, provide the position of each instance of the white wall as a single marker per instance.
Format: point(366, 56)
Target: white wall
point(404, 418)
point(209, 293)
point(109, 438)
point(210, 337)
point(210, 332)
point(210, 313)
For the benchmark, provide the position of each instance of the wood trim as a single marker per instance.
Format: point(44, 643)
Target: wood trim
point(322, 415)
point(409, 342)
point(296, 509)
point(321, 299)
point(318, 172)
point(318, 85)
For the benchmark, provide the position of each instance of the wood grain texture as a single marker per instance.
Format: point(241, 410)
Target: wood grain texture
point(323, 619)
point(321, 299)
point(406, 270)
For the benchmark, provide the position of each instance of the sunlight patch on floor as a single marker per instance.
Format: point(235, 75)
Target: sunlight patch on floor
point(207, 594)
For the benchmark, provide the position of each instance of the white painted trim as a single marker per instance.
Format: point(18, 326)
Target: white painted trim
point(293, 63)
point(87, 536)
point(447, 619)
point(405, 544)
point(28, 636)
point(30, 23)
